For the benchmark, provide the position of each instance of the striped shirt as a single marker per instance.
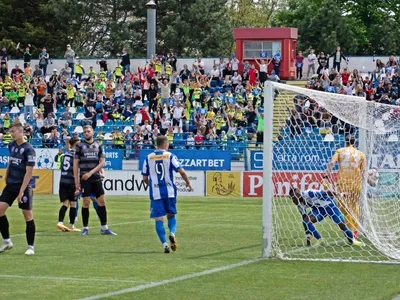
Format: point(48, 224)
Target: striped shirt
point(160, 166)
point(67, 169)
point(89, 156)
point(21, 156)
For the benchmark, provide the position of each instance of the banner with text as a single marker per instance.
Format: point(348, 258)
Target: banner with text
point(114, 158)
point(197, 160)
point(130, 183)
point(42, 181)
point(282, 182)
point(226, 184)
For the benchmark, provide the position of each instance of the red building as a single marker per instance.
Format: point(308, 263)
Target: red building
point(251, 42)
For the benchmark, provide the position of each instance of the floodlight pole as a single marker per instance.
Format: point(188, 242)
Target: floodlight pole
point(151, 28)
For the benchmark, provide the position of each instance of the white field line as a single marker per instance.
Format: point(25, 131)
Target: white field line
point(173, 280)
point(111, 225)
point(69, 278)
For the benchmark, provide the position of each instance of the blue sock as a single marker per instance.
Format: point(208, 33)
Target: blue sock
point(172, 224)
point(311, 228)
point(306, 230)
point(348, 234)
point(96, 207)
point(161, 231)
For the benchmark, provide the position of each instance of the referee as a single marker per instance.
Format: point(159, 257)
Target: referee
point(18, 186)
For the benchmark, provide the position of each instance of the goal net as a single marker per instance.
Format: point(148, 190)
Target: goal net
point(302, 133)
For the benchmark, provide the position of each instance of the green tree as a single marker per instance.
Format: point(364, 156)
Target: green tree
point(323, 25)
point(251, 13)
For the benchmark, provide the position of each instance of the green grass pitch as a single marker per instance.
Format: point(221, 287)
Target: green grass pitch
point(212, 233)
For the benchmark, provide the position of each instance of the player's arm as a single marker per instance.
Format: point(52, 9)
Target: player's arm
point(185, 178)
point(76, 168)
point(25, 182)
point(98, 169)
point(30, 163)
point(331, 165)
point(145, 172)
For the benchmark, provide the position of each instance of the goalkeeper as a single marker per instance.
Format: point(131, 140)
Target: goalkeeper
point(322, 204)
point(352, 164)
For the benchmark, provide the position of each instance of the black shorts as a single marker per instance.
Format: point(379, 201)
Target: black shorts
point(10, 193)
point(175, 122)
point(67, 192)
point(92, 187)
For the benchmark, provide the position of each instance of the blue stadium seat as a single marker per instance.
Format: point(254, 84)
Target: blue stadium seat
point(80, 110)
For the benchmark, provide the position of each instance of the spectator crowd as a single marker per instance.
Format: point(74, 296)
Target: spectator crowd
point(194, 107)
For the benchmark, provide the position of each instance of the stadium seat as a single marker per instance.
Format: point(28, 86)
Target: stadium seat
point(126, 128)
point(109, 123)
point(118, 123)
point(80, 110)
point(72, 110)
point(61, 110)
point(80, 116)
point(99, 123)
point(108, 136)
point(78, 129)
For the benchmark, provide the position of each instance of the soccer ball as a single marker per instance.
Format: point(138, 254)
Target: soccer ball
point(45, 160)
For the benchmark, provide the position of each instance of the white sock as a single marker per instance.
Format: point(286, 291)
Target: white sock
point(31, 247)
point(60, 223)
point(87, 228)
point(104, 227)
point(72, 226)
point(165, 245)
point(7, 241)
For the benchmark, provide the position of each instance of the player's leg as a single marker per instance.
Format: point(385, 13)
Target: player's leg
point(354, 210)
point(157, 212)
point(345, 206)
point(316, 215)
point(86, 191)
point(336, 215)
point(95, 204)
point(61, 215)
point(26, 207)
point(4, 225)
point(171, 217)
point(72, 214)
point(101, 210)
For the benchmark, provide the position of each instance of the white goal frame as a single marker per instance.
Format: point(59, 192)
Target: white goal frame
point(268, 187)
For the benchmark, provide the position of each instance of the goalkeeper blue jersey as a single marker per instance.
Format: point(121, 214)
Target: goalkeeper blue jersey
point(317, 198)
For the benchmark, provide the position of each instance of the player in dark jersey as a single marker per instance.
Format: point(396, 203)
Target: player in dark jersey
point(18, 186)
point(88, 162)
point(67, 189)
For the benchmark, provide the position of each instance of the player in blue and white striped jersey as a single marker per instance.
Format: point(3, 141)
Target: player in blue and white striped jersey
point(322, 204)
point(158, 174)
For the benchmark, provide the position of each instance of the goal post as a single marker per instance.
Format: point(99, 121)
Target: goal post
point(302, 130)
point(267, 169)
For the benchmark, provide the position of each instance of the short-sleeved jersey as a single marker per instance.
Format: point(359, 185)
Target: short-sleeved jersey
point(89, 155)
point(351, 164)
point(317, 198)
point(160, 166)
point(21, 156)
point(67, 169)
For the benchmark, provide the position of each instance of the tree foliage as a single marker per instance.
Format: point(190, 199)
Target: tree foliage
point(195, 27)
point(359, 27)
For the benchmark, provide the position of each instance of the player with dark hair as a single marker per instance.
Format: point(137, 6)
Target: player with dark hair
point(88, 162)
point(18, 186)
point(158, 169)
point(322, 204)
point(67, 189)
